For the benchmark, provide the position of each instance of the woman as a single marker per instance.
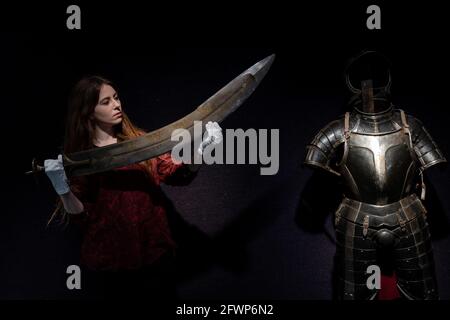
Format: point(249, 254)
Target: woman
point(127, 244)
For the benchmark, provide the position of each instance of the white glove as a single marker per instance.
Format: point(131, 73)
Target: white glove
point(55, 172)
point(213, 136)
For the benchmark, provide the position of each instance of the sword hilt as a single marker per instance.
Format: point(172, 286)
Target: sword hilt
point(69, 164)
point(35, 168)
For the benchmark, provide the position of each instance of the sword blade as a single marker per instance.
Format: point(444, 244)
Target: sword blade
point(158, 142)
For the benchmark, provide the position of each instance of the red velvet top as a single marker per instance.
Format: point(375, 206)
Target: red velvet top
point(124, 223)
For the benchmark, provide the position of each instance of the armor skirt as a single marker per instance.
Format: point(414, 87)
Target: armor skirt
point(394, 237)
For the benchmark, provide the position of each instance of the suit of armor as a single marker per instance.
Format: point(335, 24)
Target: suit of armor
point(381, 221)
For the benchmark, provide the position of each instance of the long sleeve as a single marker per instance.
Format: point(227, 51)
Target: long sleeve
point(86, 190)
point(166, 171)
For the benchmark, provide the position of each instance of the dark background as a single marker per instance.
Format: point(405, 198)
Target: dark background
point(251, 236)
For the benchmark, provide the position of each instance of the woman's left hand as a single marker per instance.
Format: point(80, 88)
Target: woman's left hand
point(213, 136)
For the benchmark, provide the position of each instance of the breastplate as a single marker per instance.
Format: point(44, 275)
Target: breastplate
point(378, 168)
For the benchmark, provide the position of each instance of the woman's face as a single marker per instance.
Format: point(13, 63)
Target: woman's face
point(108, 110)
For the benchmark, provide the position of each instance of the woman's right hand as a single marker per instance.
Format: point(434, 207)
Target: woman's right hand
point(54, 169)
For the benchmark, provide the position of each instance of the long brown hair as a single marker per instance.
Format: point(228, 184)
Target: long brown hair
point(79, 131)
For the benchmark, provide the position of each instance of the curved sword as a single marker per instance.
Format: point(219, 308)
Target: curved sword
point(158, 142)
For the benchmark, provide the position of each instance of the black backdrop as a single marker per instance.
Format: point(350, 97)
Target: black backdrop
point(250, 236)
